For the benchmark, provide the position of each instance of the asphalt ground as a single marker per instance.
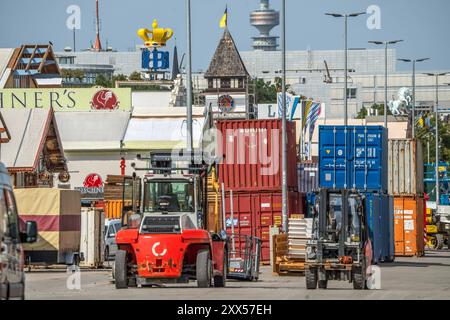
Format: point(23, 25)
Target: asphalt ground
point(407, 278)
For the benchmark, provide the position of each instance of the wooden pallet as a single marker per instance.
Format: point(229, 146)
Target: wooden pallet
point(285, 264)
point(292, 268)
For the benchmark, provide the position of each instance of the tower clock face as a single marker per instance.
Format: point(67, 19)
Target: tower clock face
point(226, 104)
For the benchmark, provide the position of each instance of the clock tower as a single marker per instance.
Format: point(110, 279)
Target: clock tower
point(228, 91)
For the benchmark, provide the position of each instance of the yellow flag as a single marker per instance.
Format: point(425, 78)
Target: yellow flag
point(421, 122)
point(223, 21)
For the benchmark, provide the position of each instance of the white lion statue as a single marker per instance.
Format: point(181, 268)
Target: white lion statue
point(403, 103)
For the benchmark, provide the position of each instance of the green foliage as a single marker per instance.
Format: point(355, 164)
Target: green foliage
point(135, 76)
point(266, 91)
point(362, 114)
point(427, 135)
point(102, 81)
point(73, 74)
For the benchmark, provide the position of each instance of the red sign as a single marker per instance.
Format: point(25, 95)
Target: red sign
point(93, 181)
point(105, 100)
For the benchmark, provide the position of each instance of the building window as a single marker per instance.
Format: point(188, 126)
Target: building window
point(225, 83)
point(66, 60)
point(351, 93)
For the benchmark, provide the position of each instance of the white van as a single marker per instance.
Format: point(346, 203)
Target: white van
point(12, 234)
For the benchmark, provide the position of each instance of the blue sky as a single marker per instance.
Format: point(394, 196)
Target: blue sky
point(424, 25)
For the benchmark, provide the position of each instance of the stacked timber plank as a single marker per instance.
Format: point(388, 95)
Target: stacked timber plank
point(290, 248)
point(114, 188)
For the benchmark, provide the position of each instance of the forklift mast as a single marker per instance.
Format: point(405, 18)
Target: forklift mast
point(327, 226)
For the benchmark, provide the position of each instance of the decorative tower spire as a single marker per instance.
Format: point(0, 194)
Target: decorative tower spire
point(98, 44)
point(175, 65)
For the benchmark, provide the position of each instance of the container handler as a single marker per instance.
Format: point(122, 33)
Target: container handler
point(163, 240)
point(340, 248)
point(438, 227)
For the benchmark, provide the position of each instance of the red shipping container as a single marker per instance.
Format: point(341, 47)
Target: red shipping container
point(251, 151)
point(254, 213)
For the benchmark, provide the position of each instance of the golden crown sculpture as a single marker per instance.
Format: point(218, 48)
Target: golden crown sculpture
point(158, 38)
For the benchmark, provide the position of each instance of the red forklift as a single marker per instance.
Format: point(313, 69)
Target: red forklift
point(163, 239)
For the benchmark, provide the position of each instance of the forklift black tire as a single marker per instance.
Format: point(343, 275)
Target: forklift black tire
point(203, 269)
point(439, 242)
point(311, 278)
point(220, 281)
point(323, 284)
point(358, 279)
point(120, 270)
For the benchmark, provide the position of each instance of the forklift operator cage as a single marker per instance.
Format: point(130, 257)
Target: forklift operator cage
point(334, 231)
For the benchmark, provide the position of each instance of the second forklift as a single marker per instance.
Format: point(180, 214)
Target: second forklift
point(340, 248)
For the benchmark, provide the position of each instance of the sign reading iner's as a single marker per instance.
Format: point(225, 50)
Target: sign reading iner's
point(85, 99)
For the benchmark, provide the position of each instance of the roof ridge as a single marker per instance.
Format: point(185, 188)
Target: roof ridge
point(226, 61)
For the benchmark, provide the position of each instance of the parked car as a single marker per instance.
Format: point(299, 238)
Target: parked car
point(111, 228)
point(12, 235)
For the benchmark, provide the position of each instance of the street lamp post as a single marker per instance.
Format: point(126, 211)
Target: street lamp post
point(436, 110)
point(413, 133)
point(345, 16)
point(189, 80)
point(283, 118)
point(386, 44)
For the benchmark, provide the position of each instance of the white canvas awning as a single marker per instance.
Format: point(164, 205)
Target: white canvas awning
point(92, 130)
point(160, 133)
point(5, 57)
point(27, 129)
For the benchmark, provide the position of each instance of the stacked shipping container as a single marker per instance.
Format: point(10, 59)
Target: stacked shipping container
point(406, 185)
point(355, 157)
point(308, 177)
point(251, 168)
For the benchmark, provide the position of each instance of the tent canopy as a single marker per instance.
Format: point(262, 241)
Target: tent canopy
point(160, 133)
point(92, 130)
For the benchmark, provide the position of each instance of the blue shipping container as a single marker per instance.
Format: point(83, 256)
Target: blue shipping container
point(380, 220)
point(388, 227)
point(353, 157)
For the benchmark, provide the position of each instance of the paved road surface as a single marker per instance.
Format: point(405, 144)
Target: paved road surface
point(407, 278)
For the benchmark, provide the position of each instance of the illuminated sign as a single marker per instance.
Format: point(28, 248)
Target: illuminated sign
point(69, 99)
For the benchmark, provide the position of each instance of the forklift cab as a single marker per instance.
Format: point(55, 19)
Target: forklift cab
point(353, 218)
point(165, 193)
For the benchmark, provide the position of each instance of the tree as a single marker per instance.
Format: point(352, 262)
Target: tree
point(362, 114)
point(279, 84)
point(135, 76)
point(101, 81)
point(265, 91)
point(79, 75)
point(119, 77)
point(380, 109)
point(66, 73)
point(426, 134)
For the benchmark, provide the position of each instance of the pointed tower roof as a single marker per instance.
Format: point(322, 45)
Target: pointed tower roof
point(98, 43)
point(227, 61)
point(175, 65)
